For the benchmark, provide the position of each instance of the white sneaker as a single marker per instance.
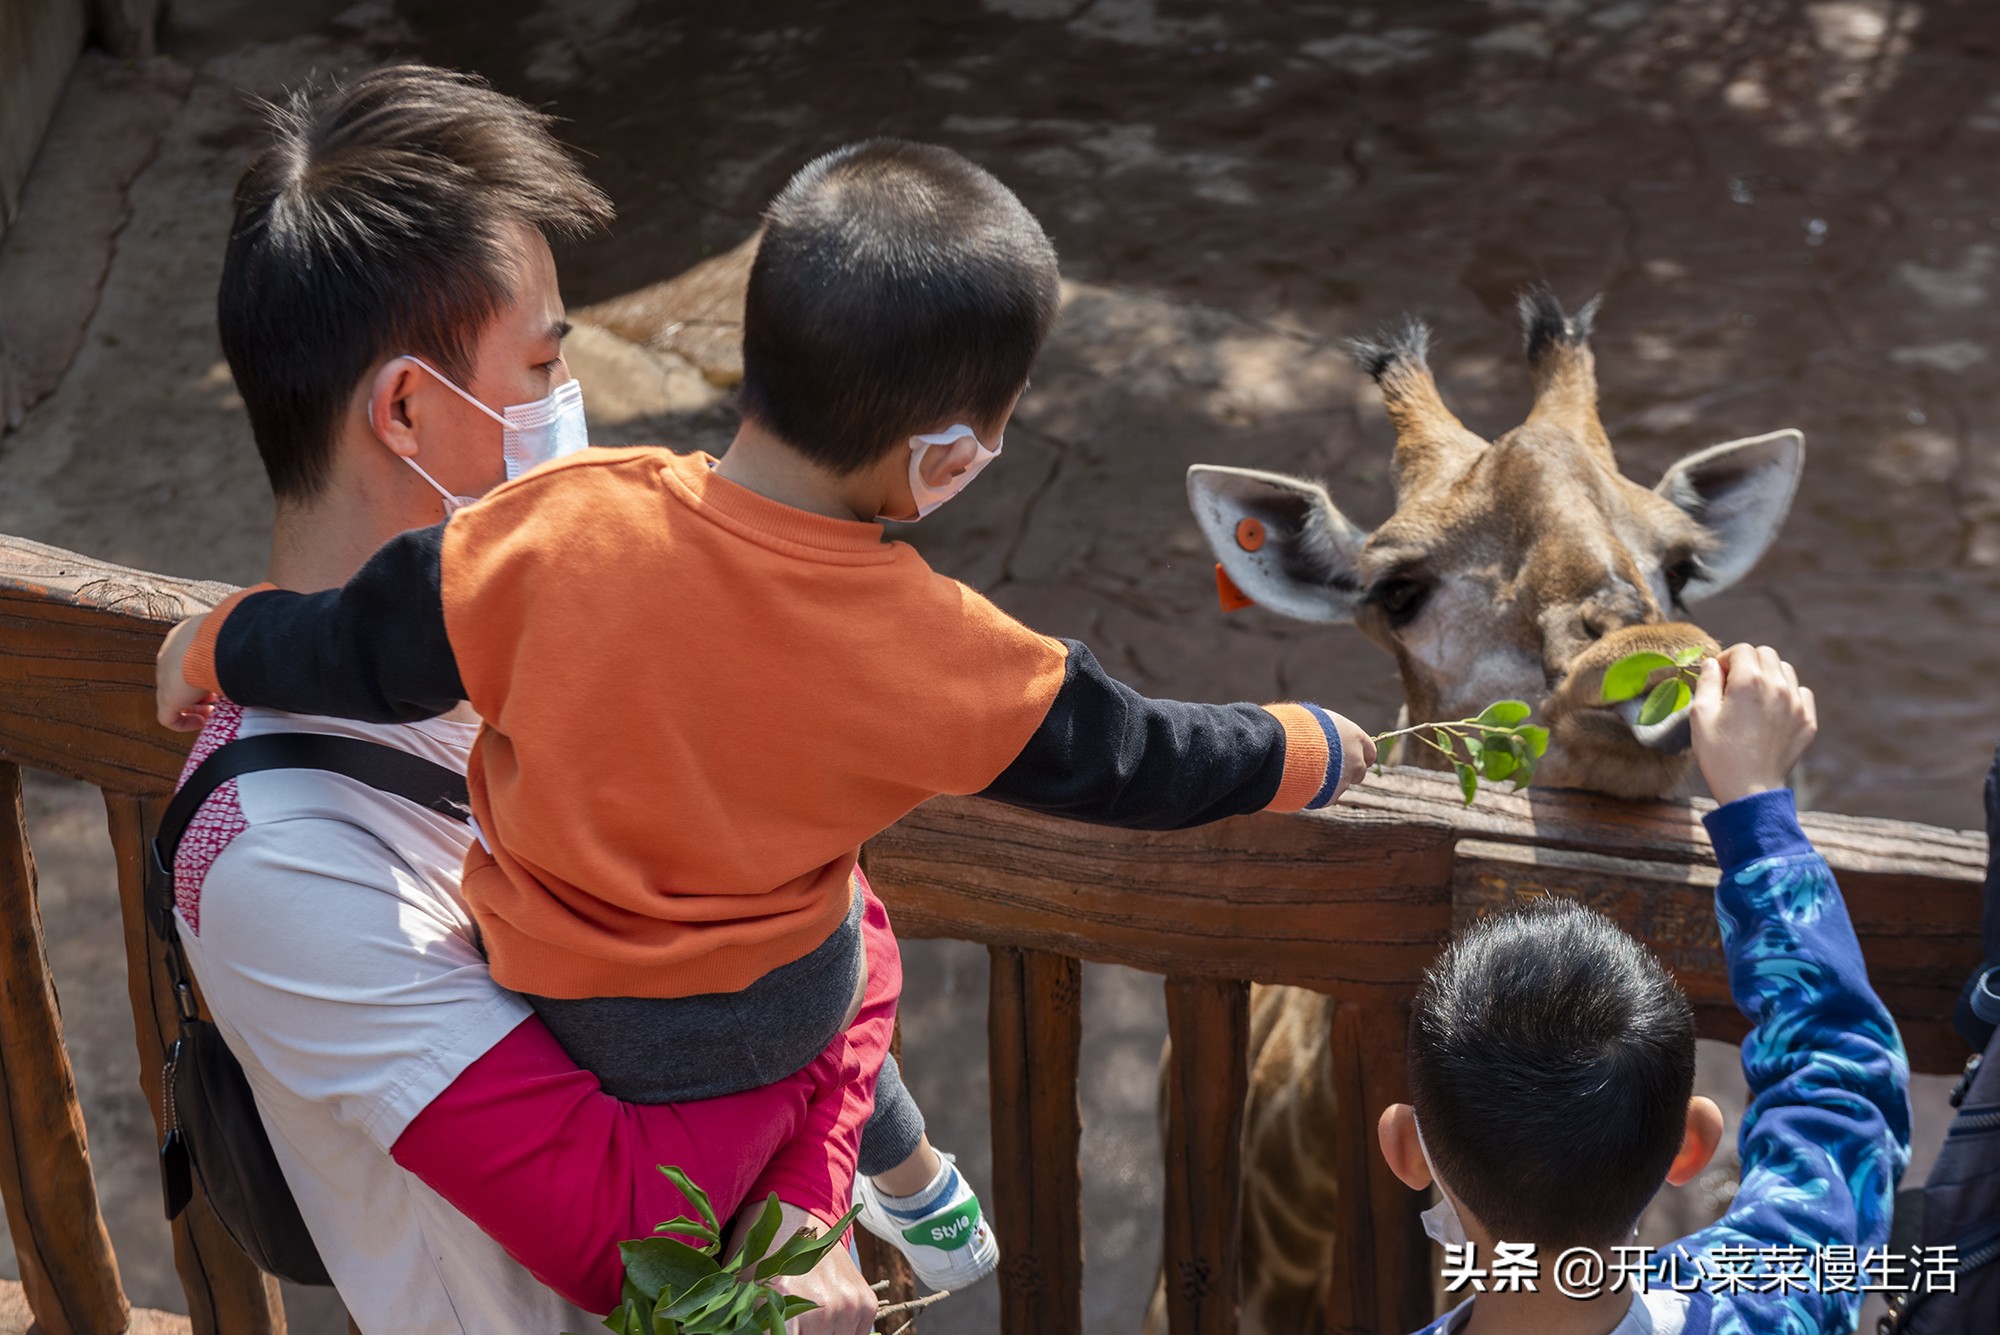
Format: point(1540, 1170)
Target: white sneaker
point(948, 1243)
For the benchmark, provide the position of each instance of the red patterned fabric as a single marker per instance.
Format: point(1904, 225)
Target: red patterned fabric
point(219, 820)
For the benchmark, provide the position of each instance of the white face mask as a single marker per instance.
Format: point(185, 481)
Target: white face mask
point(1441, 1222)
point(929, 498)
point(531, 433)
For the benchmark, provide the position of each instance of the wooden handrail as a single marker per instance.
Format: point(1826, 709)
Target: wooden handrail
point(1353, 903)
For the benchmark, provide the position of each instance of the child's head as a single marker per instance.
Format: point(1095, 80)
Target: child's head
point(1551, 1064)
point(898, 290)
point(401, 213)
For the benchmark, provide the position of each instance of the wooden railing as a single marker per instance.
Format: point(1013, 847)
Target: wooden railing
point(1352, 903)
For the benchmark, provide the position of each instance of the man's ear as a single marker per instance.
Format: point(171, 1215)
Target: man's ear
point(1280, 540)
point(1397, 1131)
point(388, 408)
point(1739, 492)
point(1704, 1133)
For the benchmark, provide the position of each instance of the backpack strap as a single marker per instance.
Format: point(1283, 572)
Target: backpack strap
point(383, 768)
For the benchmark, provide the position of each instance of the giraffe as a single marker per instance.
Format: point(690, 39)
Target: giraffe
point(1519, 568)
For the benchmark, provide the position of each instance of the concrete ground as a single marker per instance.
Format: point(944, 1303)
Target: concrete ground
point(1788, 204)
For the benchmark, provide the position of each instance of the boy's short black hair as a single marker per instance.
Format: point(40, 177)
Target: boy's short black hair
point(375, 223)
point(1551, 1061)
point(896, 284)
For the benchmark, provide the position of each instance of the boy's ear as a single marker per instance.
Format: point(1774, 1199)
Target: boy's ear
point(1280, 540)
point(388, 411)
point(1398, 1133)
point(1704, 1133)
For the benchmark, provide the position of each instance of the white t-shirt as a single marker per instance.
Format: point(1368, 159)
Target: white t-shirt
point(323, 922)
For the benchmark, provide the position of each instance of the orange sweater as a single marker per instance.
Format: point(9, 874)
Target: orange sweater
point(698, 704)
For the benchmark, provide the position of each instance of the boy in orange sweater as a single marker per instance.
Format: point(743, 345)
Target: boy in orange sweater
point(705, 683)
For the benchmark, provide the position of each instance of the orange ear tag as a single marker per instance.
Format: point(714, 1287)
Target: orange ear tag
point(1233, 598)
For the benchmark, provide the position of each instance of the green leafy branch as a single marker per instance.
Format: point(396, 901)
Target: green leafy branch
point(1499, 743)
point(1626, 679)
point(674, 1288)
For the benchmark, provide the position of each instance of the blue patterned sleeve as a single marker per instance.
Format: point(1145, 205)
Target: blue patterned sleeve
point(1827, 1133)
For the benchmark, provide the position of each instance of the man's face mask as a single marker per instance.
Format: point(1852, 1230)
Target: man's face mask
point(928, 497)
point(531, 433)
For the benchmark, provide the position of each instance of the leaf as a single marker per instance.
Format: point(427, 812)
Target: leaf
point(1468, 783)
point(1443, 740)
point(1689, 656)
point(1499, 764)
point(1626, 678)
point(655, 1265)
point(685, 1228)
point(1670, 695)
point(797, 1306)
point(701, 1295)
point(1535, 739)
point(761, 1234)
point(696, 1196)
point(804, 1250)
point(1504, 714)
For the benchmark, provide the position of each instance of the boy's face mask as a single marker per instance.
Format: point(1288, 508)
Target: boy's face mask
point(1441, 1222)
point(531, 433)
point(928, 497)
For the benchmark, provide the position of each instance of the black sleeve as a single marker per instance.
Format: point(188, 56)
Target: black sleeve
point(375, 650)
point(1108, 755)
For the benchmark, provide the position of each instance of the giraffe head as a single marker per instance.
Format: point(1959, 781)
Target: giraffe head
point(1519, 568)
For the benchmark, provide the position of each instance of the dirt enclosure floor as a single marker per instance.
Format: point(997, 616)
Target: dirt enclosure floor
point(1791, 208)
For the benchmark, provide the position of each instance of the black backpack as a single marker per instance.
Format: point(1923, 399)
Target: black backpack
point(1959, 1205)
point(212, 1131)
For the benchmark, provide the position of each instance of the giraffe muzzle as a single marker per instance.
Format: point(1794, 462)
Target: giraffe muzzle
point(1671, 736)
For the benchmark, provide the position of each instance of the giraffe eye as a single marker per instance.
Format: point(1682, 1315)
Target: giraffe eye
point(1680, 574)
point(1400, 598)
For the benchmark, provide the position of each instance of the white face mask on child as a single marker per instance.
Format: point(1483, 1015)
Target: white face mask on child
point(1441, 1222)
point(531, 433)
point(929, 498)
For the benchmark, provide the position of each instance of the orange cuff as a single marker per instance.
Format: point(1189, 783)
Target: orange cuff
point(1306, 758)
point(198, 668)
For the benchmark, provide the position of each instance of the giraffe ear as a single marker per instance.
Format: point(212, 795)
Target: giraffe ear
point(1740, 493)
point(1280, 540)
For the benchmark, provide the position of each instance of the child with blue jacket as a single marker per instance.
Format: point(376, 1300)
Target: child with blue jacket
point(1552, 1058)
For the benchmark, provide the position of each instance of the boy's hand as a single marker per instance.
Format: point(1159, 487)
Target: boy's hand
point(1751, 721)
point(182, 707)
point(846, 1302)
point(1357, 753)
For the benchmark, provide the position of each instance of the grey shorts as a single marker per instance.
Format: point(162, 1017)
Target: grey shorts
point(677, 1049)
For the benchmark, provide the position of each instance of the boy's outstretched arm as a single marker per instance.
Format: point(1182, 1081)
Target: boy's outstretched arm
point(1827, 1132)
point(1107, 754)
point(374, 650)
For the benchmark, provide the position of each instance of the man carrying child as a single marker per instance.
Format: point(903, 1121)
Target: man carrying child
point(704, 683)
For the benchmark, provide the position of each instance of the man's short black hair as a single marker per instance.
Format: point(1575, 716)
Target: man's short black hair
point(376, 222)
point(896, 285)
point(1551, 1061)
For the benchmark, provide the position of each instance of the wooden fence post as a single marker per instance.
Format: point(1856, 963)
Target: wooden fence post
point(67, 1266)
point(1382, 1261)
point(1208, 1079)
point(1034, 1020)
point(227, 1294)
